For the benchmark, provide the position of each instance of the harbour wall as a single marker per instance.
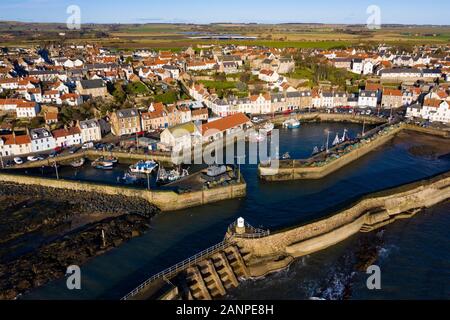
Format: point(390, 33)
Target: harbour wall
point(329, 117)
point(124, 157)
point(245, 254)
point(292, 169)
point(165, 200)
point(278, 250)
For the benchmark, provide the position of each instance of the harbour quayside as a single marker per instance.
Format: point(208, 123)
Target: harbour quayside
point(273, 153)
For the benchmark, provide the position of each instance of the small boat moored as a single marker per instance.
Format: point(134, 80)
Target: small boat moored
point(103, 165)
point(166, 177)
point(267, 129)
point(291, 124)
point(78, 163)
point(145, 167)
point(286, 156)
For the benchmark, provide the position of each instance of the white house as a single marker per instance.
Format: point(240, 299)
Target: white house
point(436, 110)
point(27, 110)
point(51, 96)
point(41, 140)
point(67, 137)
point(12, 145)
point(368, 99)
point(71, 99)
point(181, 137)
point(414, 111)
point(368, 68)
point(357, 66)
point(268, 75)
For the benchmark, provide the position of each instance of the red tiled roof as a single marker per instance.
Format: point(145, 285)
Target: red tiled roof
point(435, 103)
point(226, 123)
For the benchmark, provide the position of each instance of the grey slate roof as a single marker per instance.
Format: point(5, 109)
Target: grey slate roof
point(92, 84)
point(39, 133)
point(127, 113)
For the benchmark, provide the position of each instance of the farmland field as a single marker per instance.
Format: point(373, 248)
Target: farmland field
point(177, 36)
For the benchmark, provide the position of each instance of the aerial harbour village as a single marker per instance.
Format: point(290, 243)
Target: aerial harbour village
point(244, 148)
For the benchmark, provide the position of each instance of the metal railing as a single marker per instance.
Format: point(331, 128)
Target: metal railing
point(251, 232)
point(179, 267)
point(254, 233)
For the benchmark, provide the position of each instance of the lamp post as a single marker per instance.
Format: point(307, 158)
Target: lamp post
point(56, 169)
point(239, 166)
point(328, 140)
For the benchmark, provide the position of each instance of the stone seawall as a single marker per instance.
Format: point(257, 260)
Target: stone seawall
point(164, 200)
point(329, 117)
point(124, 157)
point(298, 173)
point(278, 250)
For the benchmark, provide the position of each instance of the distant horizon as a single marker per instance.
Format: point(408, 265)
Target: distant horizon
point(224, 23)
point(351, 12)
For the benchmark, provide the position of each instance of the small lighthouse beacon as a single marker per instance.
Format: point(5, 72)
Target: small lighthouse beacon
point(240, 227)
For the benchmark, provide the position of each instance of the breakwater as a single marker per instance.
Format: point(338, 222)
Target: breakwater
point(310, 169)
point(125, 157)
point(279, 249)
point(251, 253)
point(165, 200)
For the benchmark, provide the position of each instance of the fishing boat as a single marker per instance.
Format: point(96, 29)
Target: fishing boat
point(291, 124)
point(110, 159)
point(165, 177)
point(267, 129)
point(145, 167)
point(78, 163)
point(103, 165)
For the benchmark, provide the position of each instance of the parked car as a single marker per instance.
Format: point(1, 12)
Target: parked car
point(87, 145)
point(32, 158)
point(53, 154)
point(74, 150)
point(18, 160)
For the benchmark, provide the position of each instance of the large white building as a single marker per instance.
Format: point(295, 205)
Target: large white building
point(41, 140)
point(368, 99)
point(434, 110)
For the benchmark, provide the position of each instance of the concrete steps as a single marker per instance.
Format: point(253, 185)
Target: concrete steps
point(212, 277)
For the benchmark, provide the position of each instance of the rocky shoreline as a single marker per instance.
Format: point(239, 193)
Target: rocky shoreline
point(44, 230)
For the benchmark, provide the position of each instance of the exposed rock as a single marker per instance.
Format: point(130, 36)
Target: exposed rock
point(37, 243)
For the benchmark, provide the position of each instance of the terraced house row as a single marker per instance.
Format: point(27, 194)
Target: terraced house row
point(42, 140)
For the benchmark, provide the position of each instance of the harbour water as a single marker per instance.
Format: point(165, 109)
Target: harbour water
point(177, 235)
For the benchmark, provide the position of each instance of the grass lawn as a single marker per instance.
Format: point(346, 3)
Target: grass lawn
point(167, 98)
point(302, 74)
point(137, 88)
point(223, 85)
